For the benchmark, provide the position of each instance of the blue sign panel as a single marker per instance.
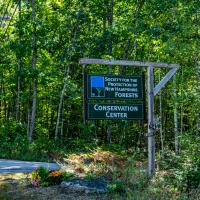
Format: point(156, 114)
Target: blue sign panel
point(97, 86)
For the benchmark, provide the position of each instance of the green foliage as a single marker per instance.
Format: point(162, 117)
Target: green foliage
point(139, 30)
point(67, 175)
point(44, 177)
point(43, 173)
point(192, 177)
point(90, 176)
point(35, 175)
point(54, 180)
point(154, 30)
point(13, 140)
point(117, 186)
point(14, 144)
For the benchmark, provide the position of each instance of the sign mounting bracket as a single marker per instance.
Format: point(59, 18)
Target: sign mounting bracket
point(165, 79)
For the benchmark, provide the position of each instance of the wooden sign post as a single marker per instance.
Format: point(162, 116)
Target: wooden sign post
point(152, 91)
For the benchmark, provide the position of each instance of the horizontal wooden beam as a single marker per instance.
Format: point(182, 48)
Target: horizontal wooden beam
point(125, 63)
point(165, 79)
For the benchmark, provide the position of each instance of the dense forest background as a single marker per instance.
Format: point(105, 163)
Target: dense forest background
point(41, 83)
point(41, 80)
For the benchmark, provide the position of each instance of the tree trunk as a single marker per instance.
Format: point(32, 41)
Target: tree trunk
point(60, 107)
point(5, 104)
point(18, 95)
point(18, 73)
point(28, 121)
point(181, 109)
point(66, 78)
point(110, 49)
point(33, 112)
point(28, 112)
point(110, 24)
point(1, 100)
point(197, 71)
point(34, 52)
point(47, 112)
point(175, 117)
point(161, 124)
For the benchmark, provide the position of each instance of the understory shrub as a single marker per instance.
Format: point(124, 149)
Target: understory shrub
point(44, 177)
point(15, 144)
point(192, 177)
point(13, 140)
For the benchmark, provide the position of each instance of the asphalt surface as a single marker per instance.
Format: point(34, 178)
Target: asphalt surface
point(16, 166)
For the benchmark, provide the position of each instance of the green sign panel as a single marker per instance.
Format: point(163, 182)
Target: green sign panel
point(115, 111)
point(114, 87)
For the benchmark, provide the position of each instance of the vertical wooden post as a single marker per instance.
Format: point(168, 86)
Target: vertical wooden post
point(109, 128)
point(84, 94)
point(151, 126)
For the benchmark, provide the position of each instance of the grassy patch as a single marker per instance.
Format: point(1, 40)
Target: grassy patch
point(126, 175)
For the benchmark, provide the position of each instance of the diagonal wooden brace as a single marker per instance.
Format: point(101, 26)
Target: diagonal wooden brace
point(165, 79)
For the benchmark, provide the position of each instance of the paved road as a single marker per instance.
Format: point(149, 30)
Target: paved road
point(15, 166)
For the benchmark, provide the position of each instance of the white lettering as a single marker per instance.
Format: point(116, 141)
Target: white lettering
point(126, 95)
point(115, 108)
point(95, 107)
point(116, 115)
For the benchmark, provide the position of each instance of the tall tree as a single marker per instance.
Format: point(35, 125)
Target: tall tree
point(34, 54)
point(69, 52)
point(110, 51)
point(18, 102)
point(197, 70)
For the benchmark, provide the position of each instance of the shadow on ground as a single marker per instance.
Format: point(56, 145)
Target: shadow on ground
point(15, 188)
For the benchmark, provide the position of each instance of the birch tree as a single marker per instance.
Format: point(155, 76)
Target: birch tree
point(19, 71)
point(69, 51)
point(34, 54)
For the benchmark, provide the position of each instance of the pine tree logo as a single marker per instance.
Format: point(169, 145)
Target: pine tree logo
point(97, 86)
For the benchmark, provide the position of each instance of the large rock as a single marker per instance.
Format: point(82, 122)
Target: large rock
point(87, 186)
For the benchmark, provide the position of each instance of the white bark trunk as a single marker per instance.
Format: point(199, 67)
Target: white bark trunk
point(60, 108)
point(110, 50)
point(18, 103)
point(18, 95)
point(197, 70)
point(175, 117)
point(28, 125)
point(161, 124)
point(66, 78)
point(33, 113)
point(197, 115)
